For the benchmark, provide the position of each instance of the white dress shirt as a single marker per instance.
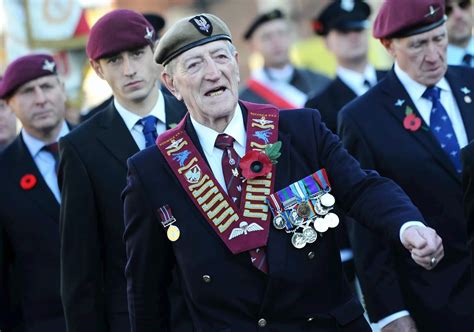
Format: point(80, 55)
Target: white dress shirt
point(355, 80)
point(207, 138)
point(456, 53)
point(136, 129)
point(415, 91)
point(44, 160)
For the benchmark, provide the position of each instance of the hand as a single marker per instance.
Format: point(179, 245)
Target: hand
point(402, 324)
point(425, 245)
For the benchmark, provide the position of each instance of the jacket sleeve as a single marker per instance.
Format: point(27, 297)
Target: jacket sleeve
point(80, 255)
point(149, 259)
point(468, 186)
point(373, 257)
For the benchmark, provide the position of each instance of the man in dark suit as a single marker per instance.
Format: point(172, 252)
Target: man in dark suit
point(29, 209)
point(7, 124)
point(202, 253)
point(410, 128)
point(468, 187)
point(278, 82)
point(92, 171)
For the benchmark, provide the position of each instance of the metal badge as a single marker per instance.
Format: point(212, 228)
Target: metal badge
point(295, 219)
point(327, 200)
point(332, 220)
point(173, 233)
point(303, 210)
point(320, 225)
point(310, 234)
point(279, 222)
point(298, 241)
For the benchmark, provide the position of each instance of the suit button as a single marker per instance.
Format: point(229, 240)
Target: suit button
point(311, 255)
point(206, 278)
point(262, 322)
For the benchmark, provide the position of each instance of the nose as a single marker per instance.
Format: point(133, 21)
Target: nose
point(128, 66)
point(40, 97)
point(432, 52)
point(212, 71)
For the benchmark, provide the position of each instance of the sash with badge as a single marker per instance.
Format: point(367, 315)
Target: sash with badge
point(241, 229)
point(303, 209)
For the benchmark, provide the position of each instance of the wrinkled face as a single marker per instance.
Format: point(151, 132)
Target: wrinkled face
point(459, 23)
point(7, 124)
point(348, 46)
point(422, 56)
point(40, 105)
point(131, 75)
point(206, 78)
point(272, 41)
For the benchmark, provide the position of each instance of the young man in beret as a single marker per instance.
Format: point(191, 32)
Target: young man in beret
point(93, 170)
point(278, 82)
point(30, 198)
point(410, 128)
point(202, 252)
point(459, 27)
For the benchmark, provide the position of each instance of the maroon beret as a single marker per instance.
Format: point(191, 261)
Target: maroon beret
point(403, 18)
point(25, 69)
point(118, 31)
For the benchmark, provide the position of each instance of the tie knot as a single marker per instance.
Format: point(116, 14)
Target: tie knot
point(367, 83)
point(466, 59)
point(432, 93)
point(149, 123)
point(224, 141)
point(51, 148)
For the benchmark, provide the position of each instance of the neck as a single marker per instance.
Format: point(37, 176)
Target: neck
point(143, 106)
point(49, 135)
point(219, 124)
point(461, 43)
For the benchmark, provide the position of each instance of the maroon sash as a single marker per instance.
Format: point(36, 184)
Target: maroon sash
point(240, 230)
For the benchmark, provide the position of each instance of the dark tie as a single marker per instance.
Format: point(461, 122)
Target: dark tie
point(230, 164)
point(466, 59)
point(442, 128)
point(53, 149)
point(149, 129)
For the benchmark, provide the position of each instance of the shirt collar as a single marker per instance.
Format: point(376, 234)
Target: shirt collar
point(414, 89)
point(235, 128)
point(354, 79)
point(131, 118)
point(34, 145)
point(457, 53)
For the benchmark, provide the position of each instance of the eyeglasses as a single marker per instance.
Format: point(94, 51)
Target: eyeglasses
point(463, 4)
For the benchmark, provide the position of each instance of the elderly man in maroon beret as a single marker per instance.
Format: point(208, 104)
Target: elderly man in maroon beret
point(410, 127)
point(30, 198)
point(93, 170)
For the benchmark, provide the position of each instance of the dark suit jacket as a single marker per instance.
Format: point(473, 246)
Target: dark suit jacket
point(305, 80)
point(92, 174)
point(305, 289)
point(468, 186)
point(332, 99)
point(29, 242)
point(371, 128)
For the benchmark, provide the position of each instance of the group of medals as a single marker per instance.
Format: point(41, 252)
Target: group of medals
point(303, 209)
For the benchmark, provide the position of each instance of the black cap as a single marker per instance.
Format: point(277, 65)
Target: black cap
point(156, 20)
point(342, 15)
point(261, 19)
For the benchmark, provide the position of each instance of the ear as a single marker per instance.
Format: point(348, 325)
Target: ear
point(236, 56)
point(169, 83)
point(388, 44)
point(97, 68)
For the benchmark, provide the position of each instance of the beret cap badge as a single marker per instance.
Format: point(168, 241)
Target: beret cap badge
point(202, 24)
point(49, 66)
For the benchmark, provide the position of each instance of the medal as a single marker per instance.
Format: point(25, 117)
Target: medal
point(295, 218)
point(303, 210)
point(310, 234)
point(298, 241)
point(332, 220)
point(173, 233)
point(327, 200)
point(279, 222)
point(320, 225)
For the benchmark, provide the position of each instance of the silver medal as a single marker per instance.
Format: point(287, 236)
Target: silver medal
point(320, 225)
point(332, 220)
point(295, 219)
point(279, 222)
point(310, 234)
point(298, 241)
point(327, 200)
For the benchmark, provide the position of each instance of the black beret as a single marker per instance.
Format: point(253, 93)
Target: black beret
point(261, 19)
point(342, 15)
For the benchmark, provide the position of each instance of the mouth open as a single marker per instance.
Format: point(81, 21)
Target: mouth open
point(216, 92)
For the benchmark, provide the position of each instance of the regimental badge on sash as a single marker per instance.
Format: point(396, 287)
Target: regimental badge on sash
point(167, 221)
point(303, 209)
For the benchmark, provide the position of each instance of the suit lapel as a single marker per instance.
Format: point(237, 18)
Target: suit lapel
point(463, 95)
point(174, 110)
point(22, 163)
point(395, 90)
point(115, 136)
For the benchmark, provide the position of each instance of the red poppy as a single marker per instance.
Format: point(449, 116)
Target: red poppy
point(412, 122)
point(255, 164)
point(28, 181)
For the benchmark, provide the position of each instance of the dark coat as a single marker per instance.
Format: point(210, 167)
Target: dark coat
point(92, 174)
point(371, 128)
point(29, 247)
point(196, 284)
point(468, 185)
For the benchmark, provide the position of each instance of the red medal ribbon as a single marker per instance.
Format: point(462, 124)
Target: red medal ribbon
point(267, 94)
